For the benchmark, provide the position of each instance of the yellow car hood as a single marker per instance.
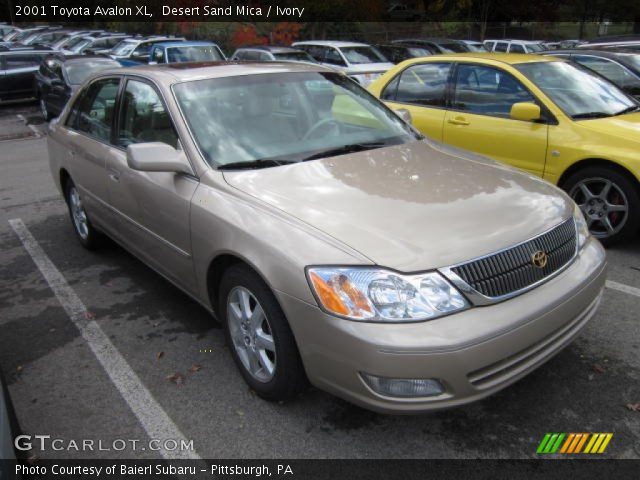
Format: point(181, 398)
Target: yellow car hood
point(625, 127)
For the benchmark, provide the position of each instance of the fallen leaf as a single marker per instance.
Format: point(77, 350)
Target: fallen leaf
point(195, 368)
point(176, 378)
point(634, 407)
point(89, 315)
point(19, 368)
point(240, 413)
point(159, 355)
point(598, 369)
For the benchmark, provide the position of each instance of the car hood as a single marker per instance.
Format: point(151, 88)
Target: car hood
point(626, 127)
point(411, 207)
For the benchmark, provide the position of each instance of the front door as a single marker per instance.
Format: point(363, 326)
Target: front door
point(479, 118)
point(421, 90)
point(152, 209)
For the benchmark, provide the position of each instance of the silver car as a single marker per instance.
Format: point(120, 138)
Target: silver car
point(335, 244)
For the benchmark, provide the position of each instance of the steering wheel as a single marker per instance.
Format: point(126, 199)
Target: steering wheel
point(324, 123)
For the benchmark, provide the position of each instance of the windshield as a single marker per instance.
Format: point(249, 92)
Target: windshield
point(476, 47)
point(418, 52)
point(452, 47)
point(80, 45)
point(535, 47)
point(22, 35)
point(356, 55)
point(78, 72)
point(200, 53)
point(634, 60)
point(123, 48)
point(284, 117)
point(295, 56)
point(577, 91)
point(73, 42)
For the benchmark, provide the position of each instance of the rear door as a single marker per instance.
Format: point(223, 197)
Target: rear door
point(90, 126)
point(19, 78)
point(151, 208)
point(479, 118)
point(421, 89)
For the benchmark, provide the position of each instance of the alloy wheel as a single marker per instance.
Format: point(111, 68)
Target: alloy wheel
point(603, 204)
point(78, 214)
point(251, 334)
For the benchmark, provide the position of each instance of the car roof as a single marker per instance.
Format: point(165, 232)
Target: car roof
point(428, 39)
point(178, 43)
point(79, 58)
point(270, 48)
point(332, 43)
point(508, 58)
point(591, 51)
point(171, 73)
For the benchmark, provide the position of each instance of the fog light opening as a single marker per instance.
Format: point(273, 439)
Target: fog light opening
point(403, 387)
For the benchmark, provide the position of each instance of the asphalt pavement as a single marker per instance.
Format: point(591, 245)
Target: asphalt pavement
point(96, 346)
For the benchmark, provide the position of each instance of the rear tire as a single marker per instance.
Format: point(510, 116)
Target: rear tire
point(609, 201)
point(85, 232)
point(259, 336)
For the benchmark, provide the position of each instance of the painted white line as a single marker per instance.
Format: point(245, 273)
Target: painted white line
point(34, 130)
point(621, 287)
point(153, 418)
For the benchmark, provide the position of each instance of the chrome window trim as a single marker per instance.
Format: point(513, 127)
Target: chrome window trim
point(478, 299)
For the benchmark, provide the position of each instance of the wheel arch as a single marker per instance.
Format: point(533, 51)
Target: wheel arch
point(598, 162)
point(63, 178)
point(216, 270)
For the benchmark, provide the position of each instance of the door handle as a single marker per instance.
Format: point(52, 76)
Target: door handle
point(458, 121)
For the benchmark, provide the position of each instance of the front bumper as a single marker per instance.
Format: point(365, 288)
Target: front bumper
point(473, 353)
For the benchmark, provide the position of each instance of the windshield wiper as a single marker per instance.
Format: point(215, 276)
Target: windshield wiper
point(630, 109)
point(255, 164)
point(354, 147)
point(591, 115)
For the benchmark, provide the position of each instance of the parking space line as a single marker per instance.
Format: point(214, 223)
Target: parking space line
point(621, 287)
point(155, 421)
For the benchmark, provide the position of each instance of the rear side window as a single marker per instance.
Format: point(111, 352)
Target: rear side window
point(488, 91)
point(143, 117)
point(501, 47)
point(15, 62)
point(333, 57)
point(93, 111)
point(516, 48)
point(423, 84)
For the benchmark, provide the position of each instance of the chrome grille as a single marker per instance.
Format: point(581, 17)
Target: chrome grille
point(511, 270)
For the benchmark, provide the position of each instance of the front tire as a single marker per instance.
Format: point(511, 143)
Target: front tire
point(44, 109)
point(85, 232)
point(609, 201)
point(259, 336)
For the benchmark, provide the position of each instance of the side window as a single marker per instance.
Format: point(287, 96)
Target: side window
point(93, 111)
point(389, 92)
point(608, 69)
point(143, 117)
point(264, 57)
point(15, 62)
point(424, 84)
point(142, 50)
point(488, 91)
point(501, 47)
point(516, 48)
point(333, 57)
point(158, 55)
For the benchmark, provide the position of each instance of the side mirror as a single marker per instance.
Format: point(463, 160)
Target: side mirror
point(157, 157)
point(404, 114)
point(525, 111)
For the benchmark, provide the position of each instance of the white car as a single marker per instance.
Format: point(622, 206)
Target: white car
point(514, 46)
point(360, 61)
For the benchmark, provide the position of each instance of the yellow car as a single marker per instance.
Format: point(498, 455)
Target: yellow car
point(544, 115)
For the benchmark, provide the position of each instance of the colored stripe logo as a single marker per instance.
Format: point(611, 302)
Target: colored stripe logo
point(572, 443)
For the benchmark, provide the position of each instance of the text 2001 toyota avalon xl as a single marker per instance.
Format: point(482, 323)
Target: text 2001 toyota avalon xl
point(333, 242)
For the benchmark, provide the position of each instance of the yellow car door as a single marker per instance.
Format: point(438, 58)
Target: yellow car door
point(479, 118)
point(421, 89)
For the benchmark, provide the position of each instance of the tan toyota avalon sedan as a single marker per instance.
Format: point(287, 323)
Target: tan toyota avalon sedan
point(334, 243)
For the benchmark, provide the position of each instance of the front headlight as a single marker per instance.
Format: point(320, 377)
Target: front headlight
point(376, 295)
point(581, 227)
